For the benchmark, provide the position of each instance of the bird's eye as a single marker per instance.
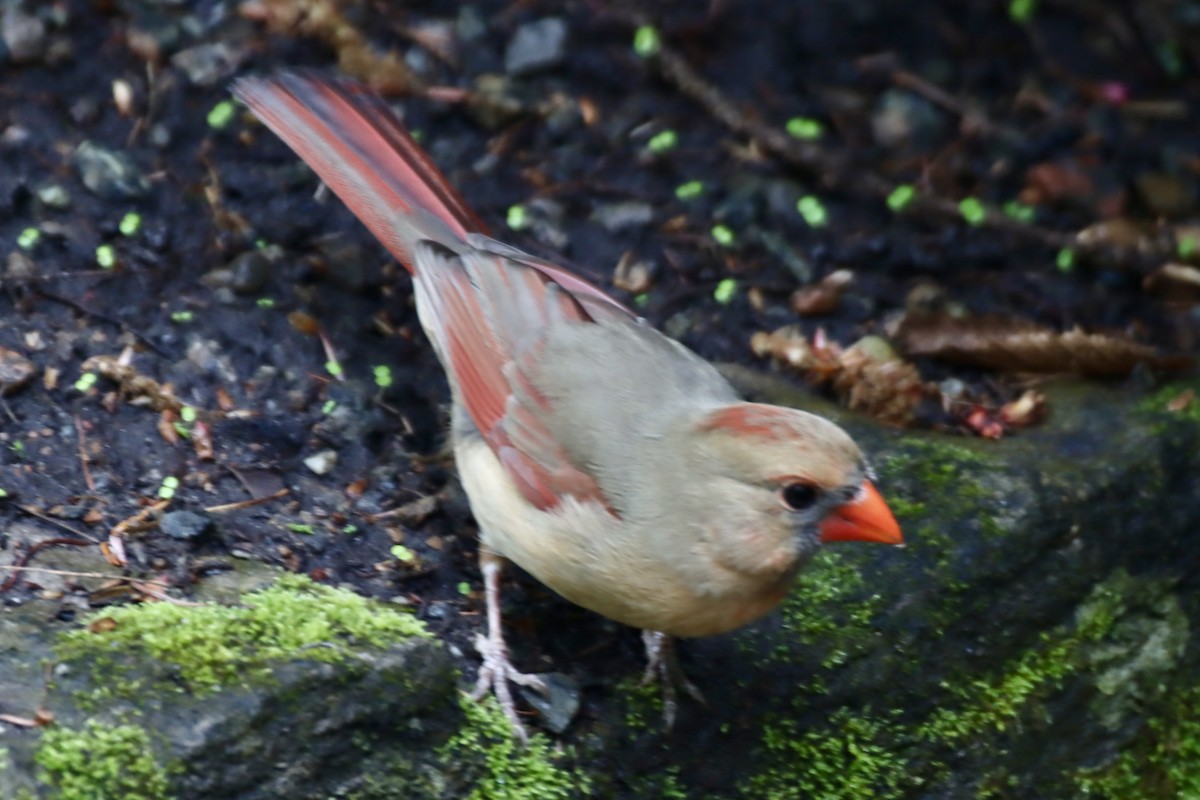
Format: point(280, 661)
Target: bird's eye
point(798, 496)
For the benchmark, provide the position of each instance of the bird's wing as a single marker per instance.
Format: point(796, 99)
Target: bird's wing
point(486, 306)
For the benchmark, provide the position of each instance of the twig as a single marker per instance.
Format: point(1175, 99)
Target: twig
point(33, 512)
point(253, 501)
point(11, 581)
point(73, 574)
point(83, 460)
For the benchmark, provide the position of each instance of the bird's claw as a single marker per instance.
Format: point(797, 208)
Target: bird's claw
point(662, 665)
point(496, 670)
point(494, 674)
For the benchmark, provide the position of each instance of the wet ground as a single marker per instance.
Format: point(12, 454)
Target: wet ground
point(140, 216)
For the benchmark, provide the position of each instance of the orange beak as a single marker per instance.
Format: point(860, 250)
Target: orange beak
point(866, 519)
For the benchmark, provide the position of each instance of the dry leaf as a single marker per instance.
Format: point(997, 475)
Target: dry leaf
point(1174, 282)
point(632, 274)
point(1026, 410)
point(1181, 401)
point(166, 426)
point(876, 381)
point(1051, 183)
point(1014, 345)
point(823, 296)
point(867, 377)
point(983, 423)
point(202, 441)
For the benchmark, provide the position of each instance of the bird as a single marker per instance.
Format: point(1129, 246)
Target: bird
point(607, 460)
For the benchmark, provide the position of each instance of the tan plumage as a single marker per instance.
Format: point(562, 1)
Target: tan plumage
point(613, 464)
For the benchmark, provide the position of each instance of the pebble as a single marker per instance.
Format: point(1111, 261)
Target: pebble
point(15, 371)
point(536, 46)
point(109, 174)
point(624, 215)
point(24, 35)
point(184, 525)
point(322, 463)
point(249, 272)
point(53, 195)
point(904, 119)
point(208, 64)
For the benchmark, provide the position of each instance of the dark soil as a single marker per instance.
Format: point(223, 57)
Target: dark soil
point(1107, 92)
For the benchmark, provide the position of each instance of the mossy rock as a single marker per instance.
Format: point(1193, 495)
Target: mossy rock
point(298, 691)
point(1036, 626)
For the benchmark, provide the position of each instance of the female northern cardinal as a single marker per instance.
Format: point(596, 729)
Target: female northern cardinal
point(612, 463)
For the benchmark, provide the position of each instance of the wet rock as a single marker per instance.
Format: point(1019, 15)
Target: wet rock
point(559, 705)
point(293, 704)
point(110, 174)
point(536, 46)
point(24, 35)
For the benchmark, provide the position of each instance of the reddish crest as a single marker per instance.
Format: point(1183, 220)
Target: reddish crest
point(753, 419)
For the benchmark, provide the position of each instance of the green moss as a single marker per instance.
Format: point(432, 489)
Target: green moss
point(1162, 764)
point(848, 760)
point(643, 703)
point(993, 704)
point(865, 754)
point(1161, 400)
point(100, 763)
point(510, 770)
point(213, 644)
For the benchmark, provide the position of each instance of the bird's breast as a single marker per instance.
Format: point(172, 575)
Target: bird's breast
point(641, 576)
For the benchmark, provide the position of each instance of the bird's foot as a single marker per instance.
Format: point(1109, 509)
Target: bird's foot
point(662, 665)
point(496, 670)
point(494, 675)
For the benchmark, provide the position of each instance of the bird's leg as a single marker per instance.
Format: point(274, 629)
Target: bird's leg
point(662, 664)
point(496, 670)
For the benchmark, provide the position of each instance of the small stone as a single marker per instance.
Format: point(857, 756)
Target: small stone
point(322, 463)
point(208, 64)
point(536, 46)
point(15, 371)
point(249, 272)
point(904, 119)
point(53, 195)
point(24, 35)
point(184, 525)
point(559, 705)
point(20, 267)
point(108, 173)
point(495, 101)
point(625, 215)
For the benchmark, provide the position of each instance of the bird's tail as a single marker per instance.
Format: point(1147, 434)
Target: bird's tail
point(363, 153)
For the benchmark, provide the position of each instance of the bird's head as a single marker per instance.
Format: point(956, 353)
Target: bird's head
point(795, 480)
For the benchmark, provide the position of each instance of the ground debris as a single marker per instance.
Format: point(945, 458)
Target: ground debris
point(1010, 344)
point(868, 376)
